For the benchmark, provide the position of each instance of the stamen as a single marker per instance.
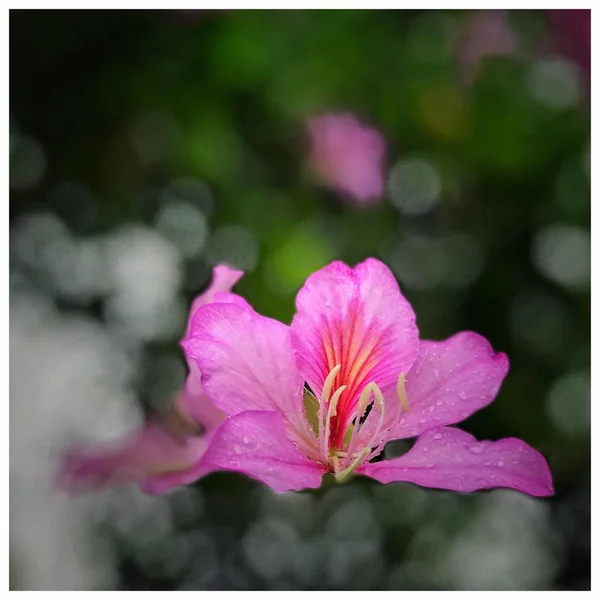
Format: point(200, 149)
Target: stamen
point(401, 392)
point(331, 412)
point(341, 476)
point(336, 463)
point(378, 396)
point(328, 385)
point(380, 402)
point(364, 400)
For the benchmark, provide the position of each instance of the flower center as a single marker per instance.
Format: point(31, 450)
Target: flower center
point(363, 431)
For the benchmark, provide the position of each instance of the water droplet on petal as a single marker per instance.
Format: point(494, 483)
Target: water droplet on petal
point(500, 463)
point(245, 439)
point(438, 436)
point(237, 449)
point(475, 449)
point(422, 421)
point(463, 394)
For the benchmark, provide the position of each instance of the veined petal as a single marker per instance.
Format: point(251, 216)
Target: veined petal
point(359, 319)
point(451, 459)
point(246, 362)
point(449, 381)
point(194, 402)
point(256, 444)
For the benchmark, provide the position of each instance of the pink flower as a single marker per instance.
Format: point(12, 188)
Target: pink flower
point(347, 155)
point(163, 453)
point(355, 343)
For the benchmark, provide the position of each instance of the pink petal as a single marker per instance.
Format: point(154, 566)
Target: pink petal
point(149, 453)
point(357, 318)
point(194, 403)
point(452, 459)
point(255, 443)
point(246, 362)
point(223, 279)
point(449, 381)
point(164, 453)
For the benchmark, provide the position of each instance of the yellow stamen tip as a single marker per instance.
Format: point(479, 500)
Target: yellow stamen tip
point(365, 399)
point(334, 400)
point(328, 384)
point(378, 395)
point(401, 392)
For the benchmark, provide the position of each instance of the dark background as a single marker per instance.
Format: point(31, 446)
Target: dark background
point(147, 146)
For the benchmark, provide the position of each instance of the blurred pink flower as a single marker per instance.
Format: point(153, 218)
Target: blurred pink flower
point(164, 452)
point(355, 343)
point(487, 33)
point(347, 155)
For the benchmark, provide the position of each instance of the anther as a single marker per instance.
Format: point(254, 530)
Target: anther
point(332, 412)
point(364, 399)
point(328, 384)
point(401, 392)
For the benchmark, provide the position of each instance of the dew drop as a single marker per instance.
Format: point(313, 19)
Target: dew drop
point(402, 421)
point(245, 439)
point(436, 373)
point(422, 421)
point(438, 436)
point(500, 463)
point(463, 395)
point(237, 449)
point(475, 449)
point(439, 402)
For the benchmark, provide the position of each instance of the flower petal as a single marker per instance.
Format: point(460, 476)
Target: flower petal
point(246, 362)
point(223, 279)
point(195, 404)
point(255, 443)
point(449, 381)
point(149, 453)
point(357, 318)
point(452, 459)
